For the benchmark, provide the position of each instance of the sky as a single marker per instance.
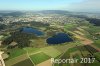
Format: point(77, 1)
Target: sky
point(69, 5)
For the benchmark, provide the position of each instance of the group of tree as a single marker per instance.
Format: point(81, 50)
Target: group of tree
point(22, 39)
point(2, 26)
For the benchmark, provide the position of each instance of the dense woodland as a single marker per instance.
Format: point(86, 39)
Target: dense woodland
point(22, 39)
point(2, 26)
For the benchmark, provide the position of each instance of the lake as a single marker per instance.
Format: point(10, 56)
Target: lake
point(59, 38)
point(32, 30)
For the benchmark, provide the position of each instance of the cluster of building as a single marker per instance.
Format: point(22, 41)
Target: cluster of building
point(39, 18)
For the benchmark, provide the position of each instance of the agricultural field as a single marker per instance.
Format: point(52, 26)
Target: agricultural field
point(91, 49)
point(78, 52)
point(10, 62)
point(97, 43)
point(97, 55)
point(66, 55)
point(39, 57)
point(15, 53)
point(31, 50)
point(51, 51)
point(26, 62)
point(36, 56)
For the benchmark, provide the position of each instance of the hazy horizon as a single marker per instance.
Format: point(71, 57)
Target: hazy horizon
point(38, 5)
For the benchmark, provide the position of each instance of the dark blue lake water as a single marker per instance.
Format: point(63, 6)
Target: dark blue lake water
point(32, 30)
point(59, 38)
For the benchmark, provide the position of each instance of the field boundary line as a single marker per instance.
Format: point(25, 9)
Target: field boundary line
point(17, 56)
point(29, 57)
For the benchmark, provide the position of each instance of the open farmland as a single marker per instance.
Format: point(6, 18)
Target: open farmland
point(16, 52)
point(15, 60)
point(51, 51)
point(97, 43)
point(39, 57)
point(91, 49)
point(26, 62)
point(31, 50)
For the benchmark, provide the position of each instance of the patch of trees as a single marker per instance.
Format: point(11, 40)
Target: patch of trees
point(1, 19)
point(95, 21)
point(7, 41)
point(2, 26)
point(38, 24)
point(22, 39)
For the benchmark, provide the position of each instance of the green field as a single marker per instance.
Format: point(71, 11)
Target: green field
point(97, 55)
point(39, 57)
point(26, 62)
point(62, 48)
point(66, 55)
point(15, 60)
point(51, 51)
point(31, 50)
point(97, 43)
point(16, 52)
